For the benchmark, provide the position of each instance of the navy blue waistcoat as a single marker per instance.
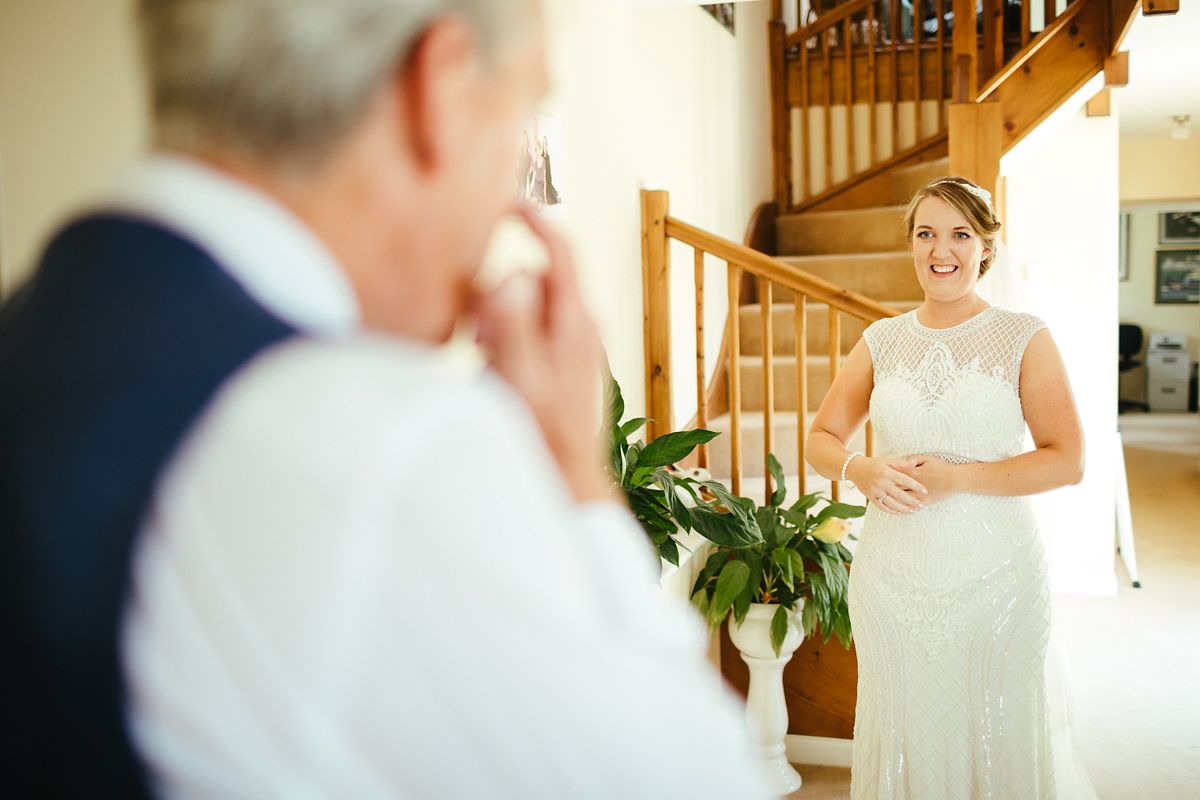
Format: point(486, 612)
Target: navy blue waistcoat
point(107, 357)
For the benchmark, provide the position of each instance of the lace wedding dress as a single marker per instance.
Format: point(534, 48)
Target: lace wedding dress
point(950, 605)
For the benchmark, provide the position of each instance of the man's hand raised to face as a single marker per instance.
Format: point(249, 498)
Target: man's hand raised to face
point(539, 337)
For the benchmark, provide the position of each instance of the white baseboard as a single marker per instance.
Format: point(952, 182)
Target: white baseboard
point(820, 750)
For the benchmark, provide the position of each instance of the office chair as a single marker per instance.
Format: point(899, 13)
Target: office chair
point(1129, 346)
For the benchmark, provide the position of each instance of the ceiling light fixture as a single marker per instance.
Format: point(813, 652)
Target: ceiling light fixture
point(1180, 128)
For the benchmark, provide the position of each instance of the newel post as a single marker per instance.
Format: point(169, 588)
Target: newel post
point(975, 142)
point(781, 133)
point(656, 311)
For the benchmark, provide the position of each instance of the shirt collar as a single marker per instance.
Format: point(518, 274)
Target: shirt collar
point(260, 243)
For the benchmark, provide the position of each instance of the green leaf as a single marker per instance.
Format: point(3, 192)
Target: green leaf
point(730, 583)
point(737, 535)
point(797, 518)
point(742, 603)
point(725, 530)
point(673, 447)
point(806, 502)
point(840, 510)
point(617, 456)
point(841, 628)
point(700, 600)
point(779, 628)
point(780, 492)
point(679, 511)
point(614, 402)
point(797, 563)
point(629, 427)
point(808, 618)
point(712, 566)
point(632, 456)
point(765, 517)
point(669, 550)
point(782, 557)
point(641, 476)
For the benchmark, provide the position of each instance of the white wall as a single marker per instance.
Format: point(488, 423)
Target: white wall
point(659, 98)
point(1158, 168)
point(71, 115)
point(1062, 206)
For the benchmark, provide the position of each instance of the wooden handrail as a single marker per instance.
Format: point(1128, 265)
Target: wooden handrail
point(827, 21)
point(780, 272)
point(1027, 52)
point(763, 272)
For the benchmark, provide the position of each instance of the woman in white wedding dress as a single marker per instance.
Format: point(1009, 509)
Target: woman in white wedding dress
point(948, 593)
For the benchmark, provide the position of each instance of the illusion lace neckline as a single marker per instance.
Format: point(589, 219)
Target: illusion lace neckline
point(912, 315)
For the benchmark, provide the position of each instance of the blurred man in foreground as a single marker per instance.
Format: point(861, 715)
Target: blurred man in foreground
point(241, 554)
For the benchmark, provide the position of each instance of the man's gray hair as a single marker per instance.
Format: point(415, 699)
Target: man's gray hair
point(284, 80)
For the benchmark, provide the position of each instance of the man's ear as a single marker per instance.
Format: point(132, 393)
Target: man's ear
point(434, 85)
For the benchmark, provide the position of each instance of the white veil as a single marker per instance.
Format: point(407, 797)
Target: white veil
point(1004, 283)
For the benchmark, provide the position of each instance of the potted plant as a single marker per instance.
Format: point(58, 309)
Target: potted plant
point(666, 502)
point(799, 567)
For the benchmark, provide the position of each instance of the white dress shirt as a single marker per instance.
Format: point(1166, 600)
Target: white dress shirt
point(361, 575)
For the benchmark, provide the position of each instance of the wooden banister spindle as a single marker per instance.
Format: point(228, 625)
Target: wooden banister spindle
point(993, 38)
point(800, 327)
point(917, 12)
point(701, 390)
point(895, 37)
point(1050, 11)
point(848, 32)
point(781, 119)
point(835, 347)
point(734, 337)
point(827, 71)
point(805, 144)
point(656, 311)
point(768, 363)
point(872, 122)
point(940, 10)
point(1026, 5)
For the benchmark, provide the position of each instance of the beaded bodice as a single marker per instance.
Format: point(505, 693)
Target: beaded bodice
point(954, 392)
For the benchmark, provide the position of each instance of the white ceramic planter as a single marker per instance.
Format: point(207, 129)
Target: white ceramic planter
point(766, 711)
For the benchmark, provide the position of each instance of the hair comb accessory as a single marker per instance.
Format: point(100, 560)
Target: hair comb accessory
point(978, 191)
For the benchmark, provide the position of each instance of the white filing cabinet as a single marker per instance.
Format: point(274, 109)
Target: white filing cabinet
point(1168, 365)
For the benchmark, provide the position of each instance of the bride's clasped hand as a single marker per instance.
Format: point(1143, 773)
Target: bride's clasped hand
point(904, 485)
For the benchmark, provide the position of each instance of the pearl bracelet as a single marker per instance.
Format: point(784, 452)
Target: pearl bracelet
point(846, 463)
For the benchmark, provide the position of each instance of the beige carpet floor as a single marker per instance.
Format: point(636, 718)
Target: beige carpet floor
point(1134, 659)
point(823, 783)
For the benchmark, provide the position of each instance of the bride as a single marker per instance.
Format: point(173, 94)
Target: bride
point(948, 595)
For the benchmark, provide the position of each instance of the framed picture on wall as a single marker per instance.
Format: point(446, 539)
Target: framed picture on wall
point(1177, 276)
point(1179, 227)
point(1123, 248)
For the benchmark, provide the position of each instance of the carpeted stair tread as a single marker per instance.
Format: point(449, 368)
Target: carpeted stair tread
point(856, 230)
point(907, 180)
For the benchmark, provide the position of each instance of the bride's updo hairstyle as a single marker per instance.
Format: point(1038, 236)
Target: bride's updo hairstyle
point(973, 202)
